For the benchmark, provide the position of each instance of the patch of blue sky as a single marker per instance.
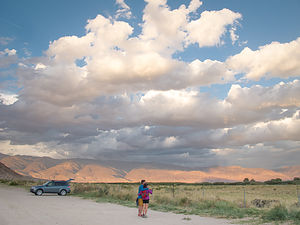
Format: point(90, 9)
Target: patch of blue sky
point(80, 62)
point(218, 91)
point(267, 82)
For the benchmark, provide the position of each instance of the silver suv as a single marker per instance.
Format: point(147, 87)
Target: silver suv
point(59, 187)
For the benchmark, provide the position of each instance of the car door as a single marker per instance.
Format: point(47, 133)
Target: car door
point(59, 186)
point(50, 187)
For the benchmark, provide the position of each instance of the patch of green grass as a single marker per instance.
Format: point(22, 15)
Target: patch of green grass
point(294, 215)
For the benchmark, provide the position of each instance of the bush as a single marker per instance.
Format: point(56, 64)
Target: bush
point(103, 191)
point(13, 183)
point(277, 213)
point(185, 201)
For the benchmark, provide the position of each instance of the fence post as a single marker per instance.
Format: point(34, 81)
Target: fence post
point(298, 195)
point(244, 196)
point(173, 190)
point(203, 191)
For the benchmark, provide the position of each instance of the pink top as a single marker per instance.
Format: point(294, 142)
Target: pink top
point(145, 193)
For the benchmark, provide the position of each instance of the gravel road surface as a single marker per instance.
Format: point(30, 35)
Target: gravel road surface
point(20, 207)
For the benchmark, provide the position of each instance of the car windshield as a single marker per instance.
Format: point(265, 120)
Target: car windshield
point(46, 183)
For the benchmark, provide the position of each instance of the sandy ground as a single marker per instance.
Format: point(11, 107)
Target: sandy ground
point(18, 206)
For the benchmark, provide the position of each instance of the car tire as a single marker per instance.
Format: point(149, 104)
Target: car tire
point(39, 192)
point(63, 192)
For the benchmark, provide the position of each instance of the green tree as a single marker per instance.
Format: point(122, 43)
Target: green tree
point(246, 180)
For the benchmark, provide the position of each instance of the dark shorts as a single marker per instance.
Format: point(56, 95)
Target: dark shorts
point(146, 201)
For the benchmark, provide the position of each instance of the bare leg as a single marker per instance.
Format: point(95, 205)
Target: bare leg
point(140, 210)
point(145, 208)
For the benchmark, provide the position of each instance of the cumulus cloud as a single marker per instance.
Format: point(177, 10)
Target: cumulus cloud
point(114, 93)
point(271, 60)
point(113, 62)
point(213, 24)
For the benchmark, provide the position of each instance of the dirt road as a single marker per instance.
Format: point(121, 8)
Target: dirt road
point(20, 207)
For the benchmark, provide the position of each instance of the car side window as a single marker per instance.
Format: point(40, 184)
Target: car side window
point(60, 183)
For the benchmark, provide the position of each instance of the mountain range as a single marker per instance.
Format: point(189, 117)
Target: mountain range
point(89, 170)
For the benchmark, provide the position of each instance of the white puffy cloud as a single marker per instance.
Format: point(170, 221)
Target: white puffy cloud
point(194, 5)
point(210, 27)
point(8, 99)
point(271, 60)
point(259, 97)
point(108, 61)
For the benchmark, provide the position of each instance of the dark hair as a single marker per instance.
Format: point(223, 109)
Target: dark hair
point(142, 181)
point(145, 185)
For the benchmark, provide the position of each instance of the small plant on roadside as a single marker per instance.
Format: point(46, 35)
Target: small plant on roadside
point(187, 218)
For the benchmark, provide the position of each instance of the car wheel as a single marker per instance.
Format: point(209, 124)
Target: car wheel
point(39, 192)
point(63, 192)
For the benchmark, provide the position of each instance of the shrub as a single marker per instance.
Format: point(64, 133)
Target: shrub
point(185, 201)
point(103, 191)
point(13, 183)
point(277, 213)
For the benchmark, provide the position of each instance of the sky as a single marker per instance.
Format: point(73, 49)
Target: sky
point(190, 83)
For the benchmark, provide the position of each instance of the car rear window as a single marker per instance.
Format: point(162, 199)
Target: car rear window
point(61, 183)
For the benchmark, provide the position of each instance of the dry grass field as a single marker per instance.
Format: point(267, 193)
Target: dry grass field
point(171, 193)
point(262, 203)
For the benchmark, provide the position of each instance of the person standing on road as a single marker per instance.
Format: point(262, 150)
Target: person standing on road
point(145, 196)
point(139, 198)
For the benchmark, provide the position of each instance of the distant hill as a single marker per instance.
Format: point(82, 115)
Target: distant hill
point(8, 174)
point(88, 170)
point(293, 171)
